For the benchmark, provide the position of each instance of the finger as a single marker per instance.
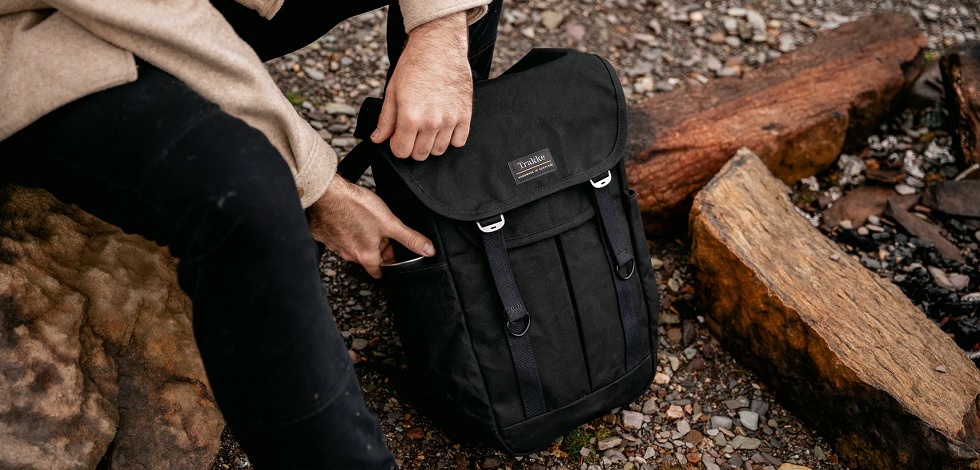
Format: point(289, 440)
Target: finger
point(460, 134)
point(386, 121)
point(388, 254)
point(410, 238)
point(423, 145)
point(403, 141)
point(442, 142)
point(371, 263)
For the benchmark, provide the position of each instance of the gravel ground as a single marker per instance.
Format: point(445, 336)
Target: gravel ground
point(703, 409)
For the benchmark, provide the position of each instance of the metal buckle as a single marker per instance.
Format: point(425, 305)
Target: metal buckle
point(492, 227)
point(602, 183)
point(632, 270)
point(527, 327)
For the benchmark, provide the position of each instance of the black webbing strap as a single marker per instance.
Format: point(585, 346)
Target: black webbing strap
point(624, 265)
point(353, 166)
point(518, 319)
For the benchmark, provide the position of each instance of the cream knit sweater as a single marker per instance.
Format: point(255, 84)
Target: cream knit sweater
point(55, 51)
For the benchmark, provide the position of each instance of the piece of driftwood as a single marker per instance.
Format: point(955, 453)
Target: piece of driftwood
point(923, 229)
point(841, 347)
point(864, 201)
point(961, 77)
point(795, 112)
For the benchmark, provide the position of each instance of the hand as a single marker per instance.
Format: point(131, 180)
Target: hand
point(429, 100)
point(357, 225)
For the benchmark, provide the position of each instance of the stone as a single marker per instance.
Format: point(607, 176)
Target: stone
point(632, 420)
point(749, 419)
point(865, 349)
point(661, 379)
point(97, 349)
point(683, 427)
point(415, 433)
point(721, 422)
point(675, 412)
point(791, 466)
point(650, 406)
point(341, 109)
point(904, 189)
point(609, 442)
point(551, 19)
point(313, 73)
point(744, 442)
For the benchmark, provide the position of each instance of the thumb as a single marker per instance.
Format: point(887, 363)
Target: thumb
point(411, 239)
point(386, 121)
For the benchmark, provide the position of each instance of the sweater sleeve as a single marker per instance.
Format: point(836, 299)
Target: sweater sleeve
point(192, 41)
point(419, 12)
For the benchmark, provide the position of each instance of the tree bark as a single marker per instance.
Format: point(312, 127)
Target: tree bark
point(842, 348)
point(961, 78)
point(795, 112)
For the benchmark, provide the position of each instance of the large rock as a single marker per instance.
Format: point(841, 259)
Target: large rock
point(842, 348)
point(796, 112)
point(97, 357)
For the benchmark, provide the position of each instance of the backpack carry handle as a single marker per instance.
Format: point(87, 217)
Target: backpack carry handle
point(362, 156)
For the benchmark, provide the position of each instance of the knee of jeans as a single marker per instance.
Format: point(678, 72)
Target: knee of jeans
point(246, 190)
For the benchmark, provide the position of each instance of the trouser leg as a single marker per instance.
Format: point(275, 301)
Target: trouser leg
point(154, 158)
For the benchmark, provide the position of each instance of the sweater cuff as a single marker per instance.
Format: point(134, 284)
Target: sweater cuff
point(419, 12)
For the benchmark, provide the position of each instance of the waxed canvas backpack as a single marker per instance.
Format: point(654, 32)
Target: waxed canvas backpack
point(539, 311)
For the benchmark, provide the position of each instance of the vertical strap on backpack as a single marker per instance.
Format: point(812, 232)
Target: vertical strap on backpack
point(624, 265)
point(518, 319)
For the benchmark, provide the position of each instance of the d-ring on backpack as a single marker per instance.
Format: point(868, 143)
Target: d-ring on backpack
point(539, 311)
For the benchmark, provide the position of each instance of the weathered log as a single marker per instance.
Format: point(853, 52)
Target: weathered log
point(97, 355)
point(961, 77)
point(795, 112)
point(841, 347)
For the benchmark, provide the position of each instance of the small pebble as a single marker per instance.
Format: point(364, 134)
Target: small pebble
point(609, 442)
point(650, 406)
point(657, 263)
point(749, 419)
point(675, 412)
point(683, 427)
point(904, 189)
point(721, 422)
point(632, 420)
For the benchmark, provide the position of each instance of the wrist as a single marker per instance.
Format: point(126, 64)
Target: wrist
point(449, 29)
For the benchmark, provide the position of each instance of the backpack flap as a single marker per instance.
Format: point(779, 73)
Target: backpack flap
point(554, 120)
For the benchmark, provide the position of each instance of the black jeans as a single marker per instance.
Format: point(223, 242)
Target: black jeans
point(156, 159)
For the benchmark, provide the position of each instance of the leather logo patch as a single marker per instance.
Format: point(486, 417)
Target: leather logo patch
point(537, 164)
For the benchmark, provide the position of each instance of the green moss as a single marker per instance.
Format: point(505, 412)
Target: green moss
point(575, 440)
point(602, 433)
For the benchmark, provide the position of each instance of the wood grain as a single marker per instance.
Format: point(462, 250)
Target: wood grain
point(842, 348)
point(795, 113)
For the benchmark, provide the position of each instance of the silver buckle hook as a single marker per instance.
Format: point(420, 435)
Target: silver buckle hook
point(602, 183)
point(492, 227)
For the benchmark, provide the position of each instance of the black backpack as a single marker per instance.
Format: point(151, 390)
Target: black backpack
point(539, 311)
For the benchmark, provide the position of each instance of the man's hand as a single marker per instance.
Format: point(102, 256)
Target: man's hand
point(356, 224)
point(429, 100)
